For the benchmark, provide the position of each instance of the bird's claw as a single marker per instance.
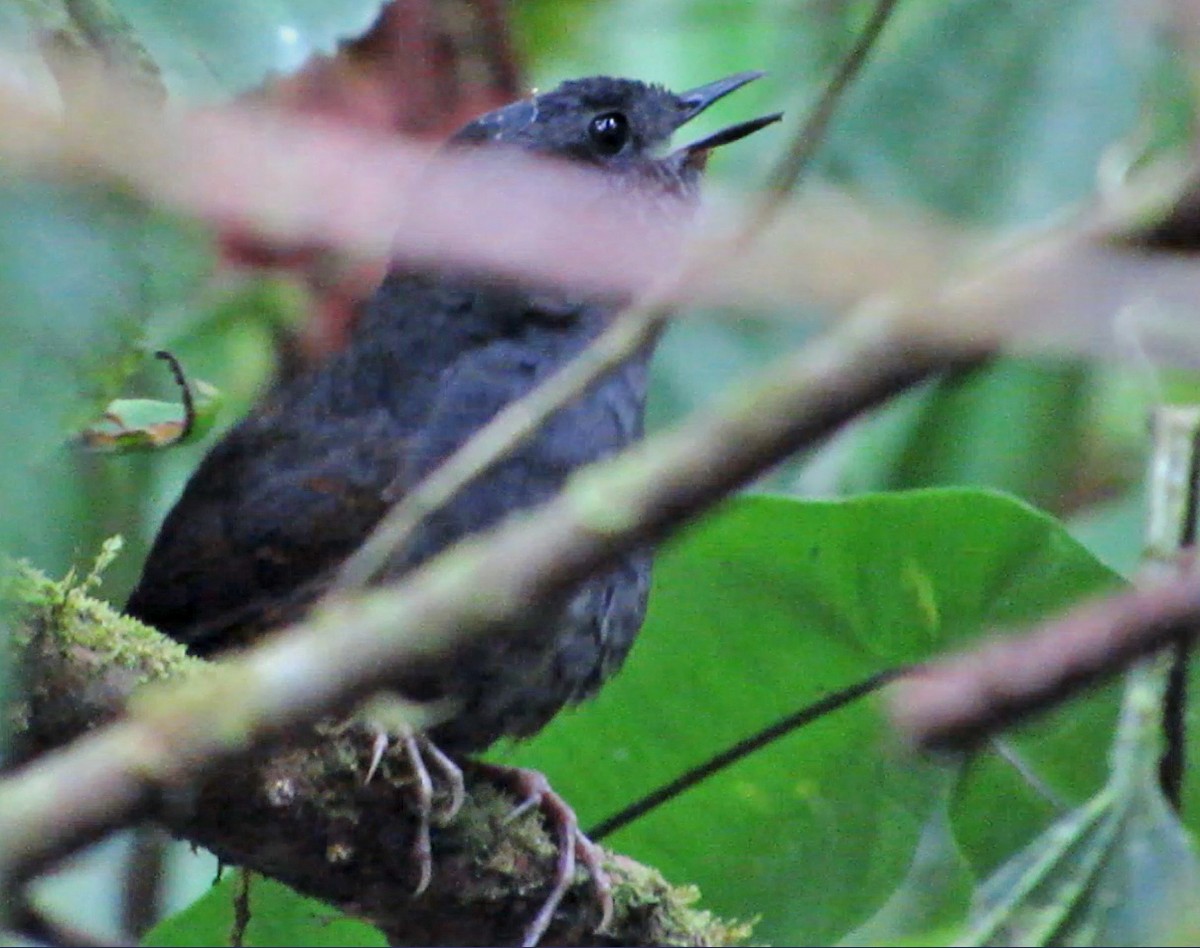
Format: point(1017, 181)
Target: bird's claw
point(421, 753)
point(535, 791)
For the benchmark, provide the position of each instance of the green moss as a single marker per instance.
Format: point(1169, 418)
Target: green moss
point(64, 612)
point(641, 893)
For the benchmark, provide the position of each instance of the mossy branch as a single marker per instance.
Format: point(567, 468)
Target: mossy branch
point(303, 814)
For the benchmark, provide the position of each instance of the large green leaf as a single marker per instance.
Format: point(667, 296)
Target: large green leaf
point(770, 604)
point(278, 916)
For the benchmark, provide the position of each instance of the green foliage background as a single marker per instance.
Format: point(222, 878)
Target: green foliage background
point(996, 113)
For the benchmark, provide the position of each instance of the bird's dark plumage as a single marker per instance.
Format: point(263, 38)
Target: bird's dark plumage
point(280, 502)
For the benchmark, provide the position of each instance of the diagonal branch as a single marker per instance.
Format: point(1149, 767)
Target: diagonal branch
point(635, 329)
point(350, 647)
point(959, 700)
point(304, 814)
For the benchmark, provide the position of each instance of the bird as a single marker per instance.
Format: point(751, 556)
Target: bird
point(289, 493)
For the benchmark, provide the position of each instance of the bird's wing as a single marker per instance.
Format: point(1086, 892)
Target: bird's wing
point(269, 512)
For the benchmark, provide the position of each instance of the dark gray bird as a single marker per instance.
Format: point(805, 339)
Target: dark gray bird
point(277, 506)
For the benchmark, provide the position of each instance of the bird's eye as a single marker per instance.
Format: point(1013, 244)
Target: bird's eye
point(609, 132)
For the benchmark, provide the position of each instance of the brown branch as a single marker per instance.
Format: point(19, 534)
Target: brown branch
point(1063, 289)
point(958, 701)
point(304, 815)
point(511, 215)
point(347, 649)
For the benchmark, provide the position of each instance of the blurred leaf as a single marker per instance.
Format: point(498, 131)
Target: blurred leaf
point(22, 65)
point(772, 603)
point(935, 892)
point(996, 112)
point(1113, 531)
point(96, 27)
point(208, 49)
point(69, 341)
point(278, 916)
point(216, 48)
point(1013, 425)
point(6, 630)
point(700, 356)
point(1119, 870)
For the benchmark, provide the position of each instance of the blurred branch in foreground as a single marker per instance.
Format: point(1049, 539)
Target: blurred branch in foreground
point(371, 195)
point(958, 701)
point(352, 646)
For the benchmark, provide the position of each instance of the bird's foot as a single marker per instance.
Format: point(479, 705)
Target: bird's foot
point(422, 754)
point(534, 791)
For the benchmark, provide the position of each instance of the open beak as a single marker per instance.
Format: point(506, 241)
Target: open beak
point(697, 100)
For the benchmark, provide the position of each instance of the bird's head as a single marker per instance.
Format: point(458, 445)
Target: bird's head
point(622, 126)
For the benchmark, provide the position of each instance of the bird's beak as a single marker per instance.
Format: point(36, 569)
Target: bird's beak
point(697, 100)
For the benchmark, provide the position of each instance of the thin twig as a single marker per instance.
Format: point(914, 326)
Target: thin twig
point(185, 394)
point(1173, 492)
point(243, 881)
point(632, 331)
point(743, 748)
point(348, 649)
point(142, 882)
point(798, 158)
point(1172, 766)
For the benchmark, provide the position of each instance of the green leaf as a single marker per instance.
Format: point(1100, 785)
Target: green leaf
point(1013, 425)
point(146, 424)
point(211, 49)
point(1119, 870)
point(200, 49)
point(69, 341)
point(934, 893)
point(772, 603)
point(278, 916)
